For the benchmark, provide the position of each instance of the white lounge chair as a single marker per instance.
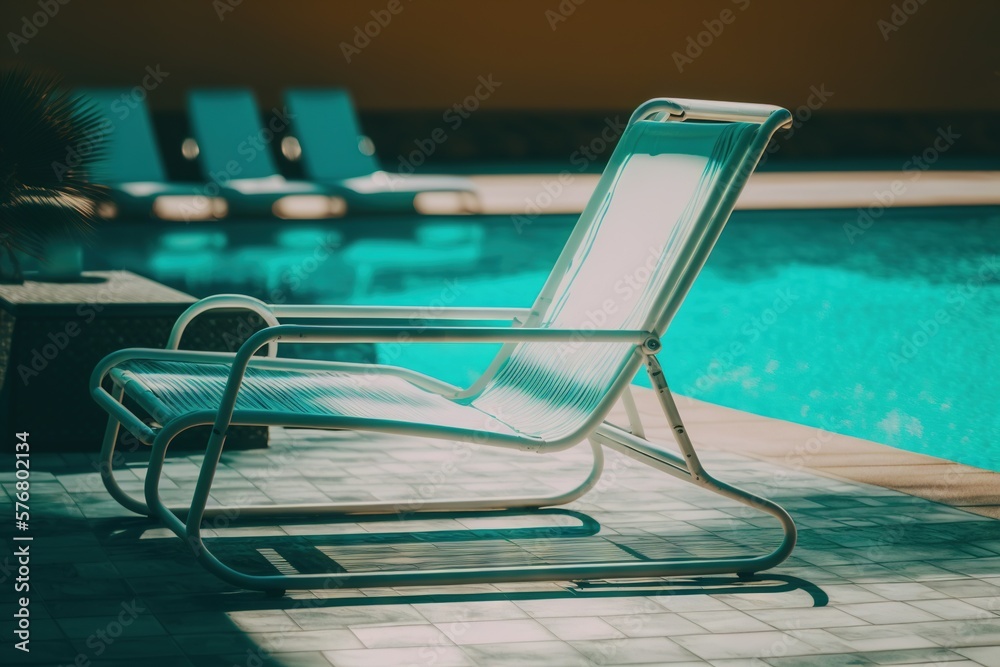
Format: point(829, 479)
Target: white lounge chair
point(662, 202)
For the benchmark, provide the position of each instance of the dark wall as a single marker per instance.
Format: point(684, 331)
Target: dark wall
point(605, 54)
point(892, 61)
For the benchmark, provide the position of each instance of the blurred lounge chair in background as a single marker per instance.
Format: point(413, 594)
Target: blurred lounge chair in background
point(133, 169)
point(334, 152)
point(235, 152)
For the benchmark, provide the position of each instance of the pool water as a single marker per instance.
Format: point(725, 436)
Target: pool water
point(891, 335)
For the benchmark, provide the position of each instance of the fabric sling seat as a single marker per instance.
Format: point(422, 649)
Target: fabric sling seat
point(649, 227)
point(167, 390)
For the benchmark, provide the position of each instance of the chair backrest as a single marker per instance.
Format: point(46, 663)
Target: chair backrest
point(658, 209)
point(328, 131)
point(232, 140)
point(130, 150)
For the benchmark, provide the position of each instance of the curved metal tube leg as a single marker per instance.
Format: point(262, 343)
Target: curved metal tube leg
point(655, 456)
point(686, 466)
point(702, 478)
point(634, 420)
point(107, 462)
point(641, 450)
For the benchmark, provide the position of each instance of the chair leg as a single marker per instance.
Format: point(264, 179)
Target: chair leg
point(744, 566)
point(107, 462)
point(632, 411)
point(686, 467)
point(673, 416)
point(699, 476)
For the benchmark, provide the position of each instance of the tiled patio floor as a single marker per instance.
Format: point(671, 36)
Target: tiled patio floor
point(878, 578)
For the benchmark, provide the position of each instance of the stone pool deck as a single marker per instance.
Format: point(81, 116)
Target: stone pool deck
point(881, 576)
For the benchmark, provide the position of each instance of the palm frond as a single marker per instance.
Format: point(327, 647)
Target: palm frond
point(49, 141)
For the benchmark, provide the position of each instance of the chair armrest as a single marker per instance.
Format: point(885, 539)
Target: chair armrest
point(220, 302)
point(313, 333)
point(398, 312)
point(270, 313)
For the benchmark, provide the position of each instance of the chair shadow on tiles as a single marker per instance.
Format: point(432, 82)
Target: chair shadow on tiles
point(118, 558)
point(472, 539)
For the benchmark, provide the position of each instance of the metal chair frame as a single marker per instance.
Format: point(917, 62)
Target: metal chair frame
point(187, 522)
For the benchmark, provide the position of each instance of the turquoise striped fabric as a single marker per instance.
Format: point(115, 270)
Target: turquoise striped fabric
point(183, 387)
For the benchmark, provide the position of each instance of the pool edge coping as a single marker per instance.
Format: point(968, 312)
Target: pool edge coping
point(788, 445)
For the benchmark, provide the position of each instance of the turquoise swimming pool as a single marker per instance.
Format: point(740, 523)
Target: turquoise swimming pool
point(892, 334)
